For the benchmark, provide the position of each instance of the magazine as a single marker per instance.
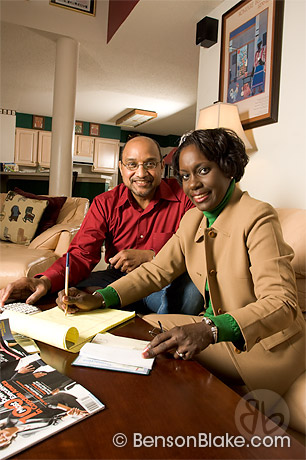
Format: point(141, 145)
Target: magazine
point(36, 401)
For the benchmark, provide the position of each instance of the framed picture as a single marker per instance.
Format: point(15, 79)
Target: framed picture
point(94, 129)
point(82, 6)
point(78, 127)
point(251, 60)
point(38, 122)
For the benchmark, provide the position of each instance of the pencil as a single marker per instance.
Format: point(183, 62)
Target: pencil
point(67, 279)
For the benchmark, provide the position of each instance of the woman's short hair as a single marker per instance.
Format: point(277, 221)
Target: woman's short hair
point(220, 145)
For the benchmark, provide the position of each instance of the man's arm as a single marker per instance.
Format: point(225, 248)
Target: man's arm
point(85, 253)
point(84, 250)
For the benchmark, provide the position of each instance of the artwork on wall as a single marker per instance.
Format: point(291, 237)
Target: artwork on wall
point(94, 129)
point(251, 60)
point(38, 122)
point(78, 127)
point(82, 6)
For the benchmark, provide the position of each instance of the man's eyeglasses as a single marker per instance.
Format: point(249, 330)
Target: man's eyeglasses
point(132, 166)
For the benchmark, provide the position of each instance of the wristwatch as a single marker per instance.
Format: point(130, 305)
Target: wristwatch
point(103, 305)
point(214, 328)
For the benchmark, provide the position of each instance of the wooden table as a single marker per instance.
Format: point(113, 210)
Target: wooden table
point(178, 399)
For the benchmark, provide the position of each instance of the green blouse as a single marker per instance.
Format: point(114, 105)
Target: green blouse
point(228, 329)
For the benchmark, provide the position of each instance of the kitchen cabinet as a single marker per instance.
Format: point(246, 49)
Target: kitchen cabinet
point(32, 147)
point(44, 148)
point(26, 142)
point(83, 147)
point(106, 155)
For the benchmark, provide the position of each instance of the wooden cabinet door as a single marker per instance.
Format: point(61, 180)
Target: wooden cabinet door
point(26, 147)
point(106, 155)
point(83, 146)
point(44, 148)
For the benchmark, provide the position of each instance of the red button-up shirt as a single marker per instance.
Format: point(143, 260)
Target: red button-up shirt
point(116, 219)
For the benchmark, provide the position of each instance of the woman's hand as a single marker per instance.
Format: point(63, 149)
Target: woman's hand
point(186, 341)
point(78, 301)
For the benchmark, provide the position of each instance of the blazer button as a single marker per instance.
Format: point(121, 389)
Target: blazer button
point(219, 311)
point(212, 272)
point(212, 234)
point(237, 351)
point(258, 340)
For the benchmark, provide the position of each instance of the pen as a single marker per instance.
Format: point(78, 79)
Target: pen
point(67, 279)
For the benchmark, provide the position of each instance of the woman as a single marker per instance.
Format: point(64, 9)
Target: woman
point(233, 249)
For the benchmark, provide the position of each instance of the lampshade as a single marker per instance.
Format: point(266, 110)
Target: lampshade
point(222, 115)
point(136, 117)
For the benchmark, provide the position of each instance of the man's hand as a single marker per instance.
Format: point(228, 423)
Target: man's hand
point(129, 259)
point(30, 289)
point(186, 341)
point(78, 301)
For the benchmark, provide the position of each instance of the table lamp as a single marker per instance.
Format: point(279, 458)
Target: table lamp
point(222, 115)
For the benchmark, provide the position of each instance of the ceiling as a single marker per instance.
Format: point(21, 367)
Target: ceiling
point(151, 63)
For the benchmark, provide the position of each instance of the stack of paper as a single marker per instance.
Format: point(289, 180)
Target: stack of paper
point(66, 332)
point(108, 351)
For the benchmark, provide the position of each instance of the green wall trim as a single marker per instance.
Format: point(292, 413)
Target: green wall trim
point(25, 120)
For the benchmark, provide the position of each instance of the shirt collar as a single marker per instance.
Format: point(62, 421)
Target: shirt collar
point(163, 192)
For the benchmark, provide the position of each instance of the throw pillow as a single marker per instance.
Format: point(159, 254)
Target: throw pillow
point(51, 212)
point(20, 217)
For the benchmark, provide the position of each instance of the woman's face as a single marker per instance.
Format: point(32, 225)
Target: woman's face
point(203, 181)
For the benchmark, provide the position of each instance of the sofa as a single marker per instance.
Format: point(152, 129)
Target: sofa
point(293, 222)
point(18, 260)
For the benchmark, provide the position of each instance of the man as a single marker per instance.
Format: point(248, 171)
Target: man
point(134, 220)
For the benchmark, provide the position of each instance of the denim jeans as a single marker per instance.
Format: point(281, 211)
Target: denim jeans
point(181, 296)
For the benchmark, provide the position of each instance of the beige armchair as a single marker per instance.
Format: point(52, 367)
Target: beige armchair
point(17, 260)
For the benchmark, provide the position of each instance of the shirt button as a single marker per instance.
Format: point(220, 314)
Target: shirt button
point(212, 234)
point(212, 272)
point(219, 311)
point(141, 236)
point(237, 351)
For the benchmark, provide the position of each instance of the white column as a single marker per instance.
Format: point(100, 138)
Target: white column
point(67, 55)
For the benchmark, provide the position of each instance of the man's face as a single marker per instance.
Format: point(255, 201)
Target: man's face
point(141, 182)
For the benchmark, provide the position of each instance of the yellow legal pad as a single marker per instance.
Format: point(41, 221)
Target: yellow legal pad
point(66, 332)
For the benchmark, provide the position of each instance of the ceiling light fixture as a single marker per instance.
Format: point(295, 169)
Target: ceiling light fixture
point(135, 118)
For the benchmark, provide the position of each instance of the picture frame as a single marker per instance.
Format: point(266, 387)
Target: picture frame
point(78, 127)
point(250, 61)
point(38, 122)
point(94, 129)
point(81, 6)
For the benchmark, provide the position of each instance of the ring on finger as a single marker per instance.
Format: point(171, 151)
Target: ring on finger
point(181, 355)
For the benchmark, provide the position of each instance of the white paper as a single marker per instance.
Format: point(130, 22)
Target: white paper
point(117, 355)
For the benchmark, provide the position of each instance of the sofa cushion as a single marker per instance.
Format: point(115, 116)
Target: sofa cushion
point(51, 212)
point(19, 260)
point(20, 217)
point(293, 222)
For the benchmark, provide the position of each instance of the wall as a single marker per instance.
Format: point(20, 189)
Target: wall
point(7, 138)
point(277, 167)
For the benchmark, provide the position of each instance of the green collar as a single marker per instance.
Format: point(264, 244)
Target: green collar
point(212, 215)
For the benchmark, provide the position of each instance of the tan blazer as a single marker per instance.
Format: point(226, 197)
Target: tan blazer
point(250, 276)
